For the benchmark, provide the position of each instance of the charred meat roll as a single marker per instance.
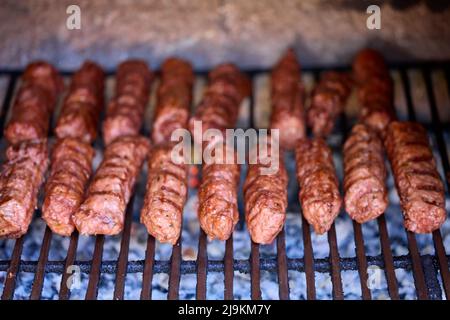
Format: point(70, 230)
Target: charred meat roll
point(83, 104)
point(21, 177)
point(71, 167)
point(287, 95)
point(319, 186)
point(419, 185)
point(173, 99)
point(219, 108)
point(165, 197)
point(217, 197)
point(103, 210)
point(328, 102)
point(364, 175)
point(125, 112)
point(34, 103)
point(265, 196)
point(375, 90)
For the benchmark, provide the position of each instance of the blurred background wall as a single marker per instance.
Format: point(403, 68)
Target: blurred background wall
point(251, 33)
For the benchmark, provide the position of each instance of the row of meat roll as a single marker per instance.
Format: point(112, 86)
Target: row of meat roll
point(75, 198)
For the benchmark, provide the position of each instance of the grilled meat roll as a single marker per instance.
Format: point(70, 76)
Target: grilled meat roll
point(71, 167)
point(287, 94)
point(375, 90)
point(219, 108)
point(364, 175)
point(419, 185)
point(319, 186)
point(21, 177)
point(103, 210)
point(265, 197)
point(328, 102)
point(125, 112)
point(174, 99)
point(83, 104)
point(217, 197)
point(34, 103)
point(166, 194)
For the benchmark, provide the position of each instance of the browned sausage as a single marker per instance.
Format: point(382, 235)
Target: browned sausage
point(166, 193)
point(174, 99)
point(364, 175)
point(82, 106)
point(419, 185)
point(71, 167)
point(21, 177)
point(328, 102)
point(103, 210)
point(219, 109)
point(287, 96)
point(265, 196)
point(375, 90)
point(319, 186)
point(34, 103)
point(125, 112)
point(217, 197)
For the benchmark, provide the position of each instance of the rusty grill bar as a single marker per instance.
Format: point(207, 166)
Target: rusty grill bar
point(425, 268)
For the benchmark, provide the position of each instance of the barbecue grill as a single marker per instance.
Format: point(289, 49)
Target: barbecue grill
point(430, 270)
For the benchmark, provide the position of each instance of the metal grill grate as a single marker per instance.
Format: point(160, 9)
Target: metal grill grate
point(426, 268)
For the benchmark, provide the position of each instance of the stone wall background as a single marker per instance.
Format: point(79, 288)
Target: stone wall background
point(252, 33)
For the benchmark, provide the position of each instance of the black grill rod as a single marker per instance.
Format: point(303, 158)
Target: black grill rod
point(7, 102)
point(174, 274)
point(283, 281)
point(13, 270)
point(64, 291)
point(358, 235)
point(122, 261)
point(147, 275)
point(338, 293)
point(418, 272)
point(38, 282)
point(439, 134)
point(94, 273)
point(202, 266)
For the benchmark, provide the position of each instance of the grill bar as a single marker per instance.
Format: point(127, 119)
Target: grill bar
point(40, 271)
point(94, 274)
point(202, 265)
point(388, 259)
point(335, 271)
point(362, 261)
point(174, 276)
point(283, 280)
point(309, 260)
point(255, 272)
point(149, 262)
point(13, 269)
point(64, 291)
point(123, 254)
point(229, 269)
point(7, 101)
